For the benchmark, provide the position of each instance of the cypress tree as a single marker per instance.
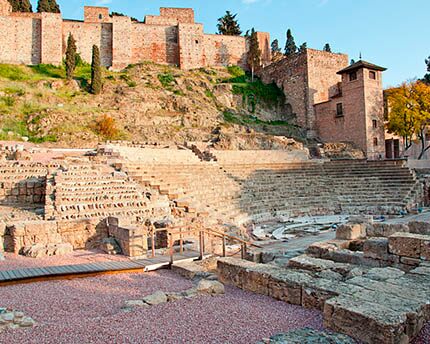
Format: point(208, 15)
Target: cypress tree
point(49, 6)
point(303, 47)
point(96, 72)
point(427, 76)
point(276, 51)
point(254, 52)
point(327, 48)
point(21, 5)
point(70, 57)
point(228, 25)
point(290, 46)
point(53, 6)
point(275, 46)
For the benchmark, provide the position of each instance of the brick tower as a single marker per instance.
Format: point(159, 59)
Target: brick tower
point(363, 106)
point(355, 111)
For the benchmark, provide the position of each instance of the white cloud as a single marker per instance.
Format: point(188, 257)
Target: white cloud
point(103, 2)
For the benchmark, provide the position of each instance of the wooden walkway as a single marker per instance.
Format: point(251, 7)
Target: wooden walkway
point(29, 275)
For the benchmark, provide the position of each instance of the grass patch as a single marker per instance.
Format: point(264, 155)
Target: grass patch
point(8, 101)
point(209, 94)
point(257, 92)
point(232, 118)
point(14, 91)
point(235, 71)
point(166, 79)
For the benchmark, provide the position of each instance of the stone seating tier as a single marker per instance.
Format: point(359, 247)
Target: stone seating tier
point(260, 191)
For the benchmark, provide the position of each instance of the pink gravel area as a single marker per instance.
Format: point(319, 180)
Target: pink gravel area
point(89, 311)
point(14, 261)
point(424, 336)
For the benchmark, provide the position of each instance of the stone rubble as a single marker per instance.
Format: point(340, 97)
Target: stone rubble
point(308, 336)
point(14, 319)
point(377, 295)
point(204, 287)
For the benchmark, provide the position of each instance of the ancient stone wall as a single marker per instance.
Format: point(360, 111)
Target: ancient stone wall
point(266, 51)
point(122, 42)
point(154, 43)
point(323, 79)
point(224, 50)
point(171, 38)
point(291, 75)
point(20, 38)
point(191, 42)
point(81, 234)
point(181, 15)
point(306, 79)
point(96, 14)
point(87, 35)
point(5, 8)
point(51, 38)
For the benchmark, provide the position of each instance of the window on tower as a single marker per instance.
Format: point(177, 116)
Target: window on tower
point(352, 76)
point(372, 75)
point(339, 110)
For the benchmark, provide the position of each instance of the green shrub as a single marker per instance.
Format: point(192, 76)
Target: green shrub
point(49, 70)
point(14, 73)
point(16, 91)
point(8, 100)
point(166, 79)
point(209, 94)
point(235, 71)
point(179, 93)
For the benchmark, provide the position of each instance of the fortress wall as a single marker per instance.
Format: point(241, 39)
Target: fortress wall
point(87, 35)
point(51, 38)
point(290, 75)
point(182, 15)
point(155, 43)
point(173, 38)
point(191, 43)
point(157, 20)
point(21, 34)
point(224, 50)
point(322, 67)
point(96, 14)
point(266, 50)
point(121, 42)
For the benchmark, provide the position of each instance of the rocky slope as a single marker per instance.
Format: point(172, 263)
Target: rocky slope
point(147, 103)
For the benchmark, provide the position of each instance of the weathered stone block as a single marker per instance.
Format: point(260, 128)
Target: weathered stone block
point(362, 320)
point(376, 248)
point(419, 227)
point(425, 250)
point(406, 244)
point(351, 231)
point(385, 229)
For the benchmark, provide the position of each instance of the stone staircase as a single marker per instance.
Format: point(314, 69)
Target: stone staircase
point(92, 191)
point(237, 194)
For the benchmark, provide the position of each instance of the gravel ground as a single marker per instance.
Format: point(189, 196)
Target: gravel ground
point(89, 311)
point(77, 257)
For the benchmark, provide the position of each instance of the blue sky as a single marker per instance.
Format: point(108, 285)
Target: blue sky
point(391, 33)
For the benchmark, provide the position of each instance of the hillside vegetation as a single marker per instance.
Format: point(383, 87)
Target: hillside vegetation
point(145, 102)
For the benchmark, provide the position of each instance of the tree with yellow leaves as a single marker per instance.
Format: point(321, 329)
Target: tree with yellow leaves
point(409, 113)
